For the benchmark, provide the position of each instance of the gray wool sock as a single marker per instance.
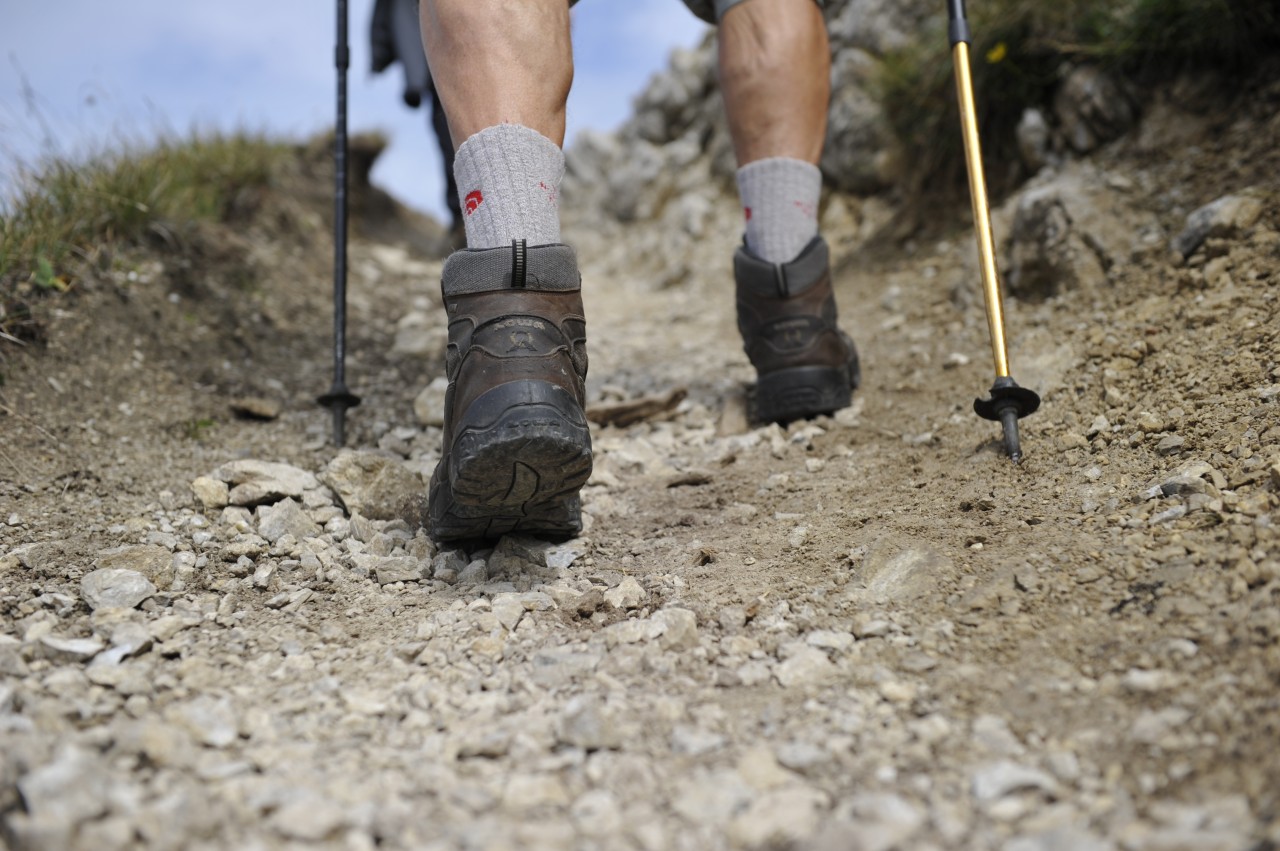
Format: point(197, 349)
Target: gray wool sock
point(509, 185)
point(780, 200)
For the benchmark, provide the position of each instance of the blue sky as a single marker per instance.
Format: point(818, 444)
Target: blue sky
point(127, 69)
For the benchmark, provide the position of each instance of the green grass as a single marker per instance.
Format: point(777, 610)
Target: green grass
point(1020, 48)
point(66, 212)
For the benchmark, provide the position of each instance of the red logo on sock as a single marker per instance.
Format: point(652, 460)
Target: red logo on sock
point(550, 193)
point(806, 209)
point(747, 212)
point(474, 200)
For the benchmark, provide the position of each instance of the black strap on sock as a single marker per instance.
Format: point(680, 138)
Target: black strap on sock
point(519, 262)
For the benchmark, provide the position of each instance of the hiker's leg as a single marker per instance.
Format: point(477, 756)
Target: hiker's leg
point(517, 448)
point(775, 74)
point(502, 70)
point(775, 77)
point(497, 62)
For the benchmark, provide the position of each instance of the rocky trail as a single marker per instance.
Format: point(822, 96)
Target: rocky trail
point(868, 631)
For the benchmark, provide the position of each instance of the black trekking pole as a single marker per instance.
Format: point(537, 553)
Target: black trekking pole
point(1009, 402)
point(339, 398)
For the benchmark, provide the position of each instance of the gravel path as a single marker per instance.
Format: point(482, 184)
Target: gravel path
point(862, 632)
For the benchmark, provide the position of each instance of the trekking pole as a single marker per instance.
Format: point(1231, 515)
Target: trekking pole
point(339, 398)
point(1008, 402)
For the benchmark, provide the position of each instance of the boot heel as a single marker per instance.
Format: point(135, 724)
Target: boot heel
point(803, 391)
point(520, 445)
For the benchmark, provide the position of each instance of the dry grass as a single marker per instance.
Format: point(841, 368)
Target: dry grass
point(66, 212)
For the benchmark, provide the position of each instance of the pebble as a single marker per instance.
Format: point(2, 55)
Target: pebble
point(584, 723)
point(115, 588)
point(475, 573)
point(627, 594)
point(781, 818)
point(68, 790)
point(57, 649)
point(285, 517)
point(676, 628)
point(153, 562)
point(1171, 445)
point(805, 666)
point(428, 406)
point(212, 493)
point(998, 779)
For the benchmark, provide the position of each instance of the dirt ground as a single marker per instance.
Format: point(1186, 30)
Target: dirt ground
point(870, 631)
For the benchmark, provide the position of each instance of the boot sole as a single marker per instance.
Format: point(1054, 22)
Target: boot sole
point(801, 392)
point(522, 452)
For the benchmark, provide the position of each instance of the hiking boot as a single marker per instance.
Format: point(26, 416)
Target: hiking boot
point(787, 316)
point(517, 448)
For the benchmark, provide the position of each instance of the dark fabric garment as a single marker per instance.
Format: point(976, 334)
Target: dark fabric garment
point(394, 37)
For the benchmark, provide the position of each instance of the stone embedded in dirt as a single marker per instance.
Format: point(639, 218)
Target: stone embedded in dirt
point(475, 573)
point(285, 517)
point(428, 406)
point(998, 779)
point(256, 408)
point(115, 588)
point(804, 666)
point(447, 565)
point(389, 570)
point(802, 757)
point(627, 594)
point(1223, 218)
point(584, 723)
point(254, 482)
point(210, 720)
point(374, 484)
point(60, 650)
point(677, 629)
point(1171, 445)
point(897, 571)
point(212, 493)
point(780, 818)
point(872, 820)
point(561, 557)
point(68, 790)
point(155, 563)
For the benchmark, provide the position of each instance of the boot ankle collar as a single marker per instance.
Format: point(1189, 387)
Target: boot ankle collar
point(782, 280)
point(551, 267)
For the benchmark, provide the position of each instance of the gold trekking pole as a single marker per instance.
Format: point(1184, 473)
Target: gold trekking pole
point(1008, 402)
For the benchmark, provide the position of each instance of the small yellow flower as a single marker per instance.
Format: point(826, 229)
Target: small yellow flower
point(997, 53)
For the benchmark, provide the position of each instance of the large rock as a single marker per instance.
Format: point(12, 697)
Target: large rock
point(1067, 229)
point(860, 154)
point(1092, 108)
point(373, 484)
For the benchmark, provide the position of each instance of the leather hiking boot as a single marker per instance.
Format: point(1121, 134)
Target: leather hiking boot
point(517, 448)
point(787, 316)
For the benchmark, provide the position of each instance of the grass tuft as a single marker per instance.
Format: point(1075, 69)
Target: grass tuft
point(65, 212)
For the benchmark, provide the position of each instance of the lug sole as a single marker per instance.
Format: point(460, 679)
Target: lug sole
point(520, 454)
